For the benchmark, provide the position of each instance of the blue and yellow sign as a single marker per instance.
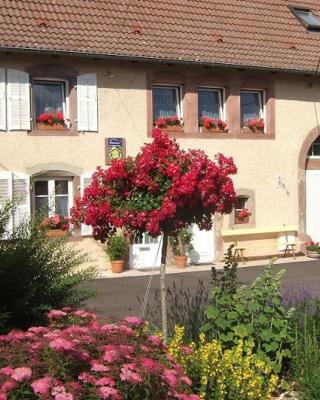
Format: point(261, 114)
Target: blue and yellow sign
point(115, 149)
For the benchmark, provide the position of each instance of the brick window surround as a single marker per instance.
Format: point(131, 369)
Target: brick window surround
point(232, 82)
point(55, 71)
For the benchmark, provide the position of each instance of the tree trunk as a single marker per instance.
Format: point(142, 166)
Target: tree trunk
point(163, 288)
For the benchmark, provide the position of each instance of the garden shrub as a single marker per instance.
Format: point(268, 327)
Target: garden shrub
point(249, 312)
point(219, 374)
point(305, 364)
point(76, 357)
point(36, 275)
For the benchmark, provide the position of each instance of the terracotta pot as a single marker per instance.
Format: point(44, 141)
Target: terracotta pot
point(56, 233)
point(173, 128)
point(55, 127)
point(117, 266)
point(212, 130)
point(313, 254)
point(181, 261)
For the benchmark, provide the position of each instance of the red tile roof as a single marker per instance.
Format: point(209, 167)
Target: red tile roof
point(257, 33)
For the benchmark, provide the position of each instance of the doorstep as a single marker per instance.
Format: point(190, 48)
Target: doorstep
point(198, 268)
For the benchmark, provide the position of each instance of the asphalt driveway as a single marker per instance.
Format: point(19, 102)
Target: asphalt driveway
point(118, 297)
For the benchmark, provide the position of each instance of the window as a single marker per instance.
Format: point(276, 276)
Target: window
point(49, 97)
point(314, 150)
point(210, 103)
point(305, 16)
point(251, 104)
point(166, 101)
point(53, 196)
point(242, 213)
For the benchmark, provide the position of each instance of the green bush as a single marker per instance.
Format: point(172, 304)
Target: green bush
point(117, 248)
point(305, 365)
point(249, 312)
point(36, 275)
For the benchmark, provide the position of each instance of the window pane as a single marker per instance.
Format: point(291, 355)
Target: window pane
point(41, 204)
point(62, 206)
point(41, 188)
point(308, 17)
point(48, 97)
point(61, 187)
point(209, 104)
point(250, 105)
point(316, 150)
point(241, 202)
point(165, 102)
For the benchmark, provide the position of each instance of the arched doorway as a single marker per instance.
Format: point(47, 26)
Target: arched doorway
point(309, 187)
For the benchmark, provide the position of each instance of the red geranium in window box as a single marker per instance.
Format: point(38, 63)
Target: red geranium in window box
point(170, 124)
point(212, 125)
point(242, 216)
point(255, 125)
point(51, 121)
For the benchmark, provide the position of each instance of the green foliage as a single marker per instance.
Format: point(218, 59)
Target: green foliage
point(117, 248)
point(36, 275)
point(306, 350)
point(181, 242)
point(249, 312)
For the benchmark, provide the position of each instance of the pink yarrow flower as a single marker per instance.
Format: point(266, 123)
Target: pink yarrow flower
point(133, 320)
point(56, 313)
point(41, 386)
point(61, 344)
point(22, 374)
point(106, 392)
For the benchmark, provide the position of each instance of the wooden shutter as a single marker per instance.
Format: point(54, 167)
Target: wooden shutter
point(87, 102)
point(85, 181)
point(18, 100)
point(21, 198)
point(3, 110)
point(6, 193)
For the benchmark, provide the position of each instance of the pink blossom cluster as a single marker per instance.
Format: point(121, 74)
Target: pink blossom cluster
point(89, 360)
point(255, 123)
point(164, 122)
point(163, 189)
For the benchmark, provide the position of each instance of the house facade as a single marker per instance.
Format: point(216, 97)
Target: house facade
point(111, 92)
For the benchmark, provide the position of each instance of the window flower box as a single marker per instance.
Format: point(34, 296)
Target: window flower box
point(170, 124)
point(56, 233)
point(254, 126)
point(54, 127)
point(312, 249)
point(211, 125)
point(56, 226)
point(51, 121)
point(242, 216)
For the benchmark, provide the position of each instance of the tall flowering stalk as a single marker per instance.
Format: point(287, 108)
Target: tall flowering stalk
point(160, 191)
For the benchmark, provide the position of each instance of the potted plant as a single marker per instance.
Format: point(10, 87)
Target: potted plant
point(117, 251)
point(242, 216)
point(170, 124)
point(56, 226)
point(254, 125)
point(313, 249)
point(51, 121)
point(181, 243)
point(212, 125)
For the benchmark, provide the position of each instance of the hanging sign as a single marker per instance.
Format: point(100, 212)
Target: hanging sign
point(115, 149)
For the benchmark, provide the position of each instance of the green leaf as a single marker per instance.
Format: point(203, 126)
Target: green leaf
point(206, 327)
point(266, 335)
point(212, 312)
point(222, 323)
point(241, 330)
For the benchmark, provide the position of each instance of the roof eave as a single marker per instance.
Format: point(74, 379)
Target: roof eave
point(150, 59)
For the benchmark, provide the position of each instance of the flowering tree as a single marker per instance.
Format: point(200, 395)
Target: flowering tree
point(160, 191)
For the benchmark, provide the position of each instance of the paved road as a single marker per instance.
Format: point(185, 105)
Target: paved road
point(118, 297)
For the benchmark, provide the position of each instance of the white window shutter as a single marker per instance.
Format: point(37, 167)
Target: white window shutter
point(6, 193)
point(18, 100)
point(87, 102)
point(85, 181)
point(21, 198)
point(3, 110)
